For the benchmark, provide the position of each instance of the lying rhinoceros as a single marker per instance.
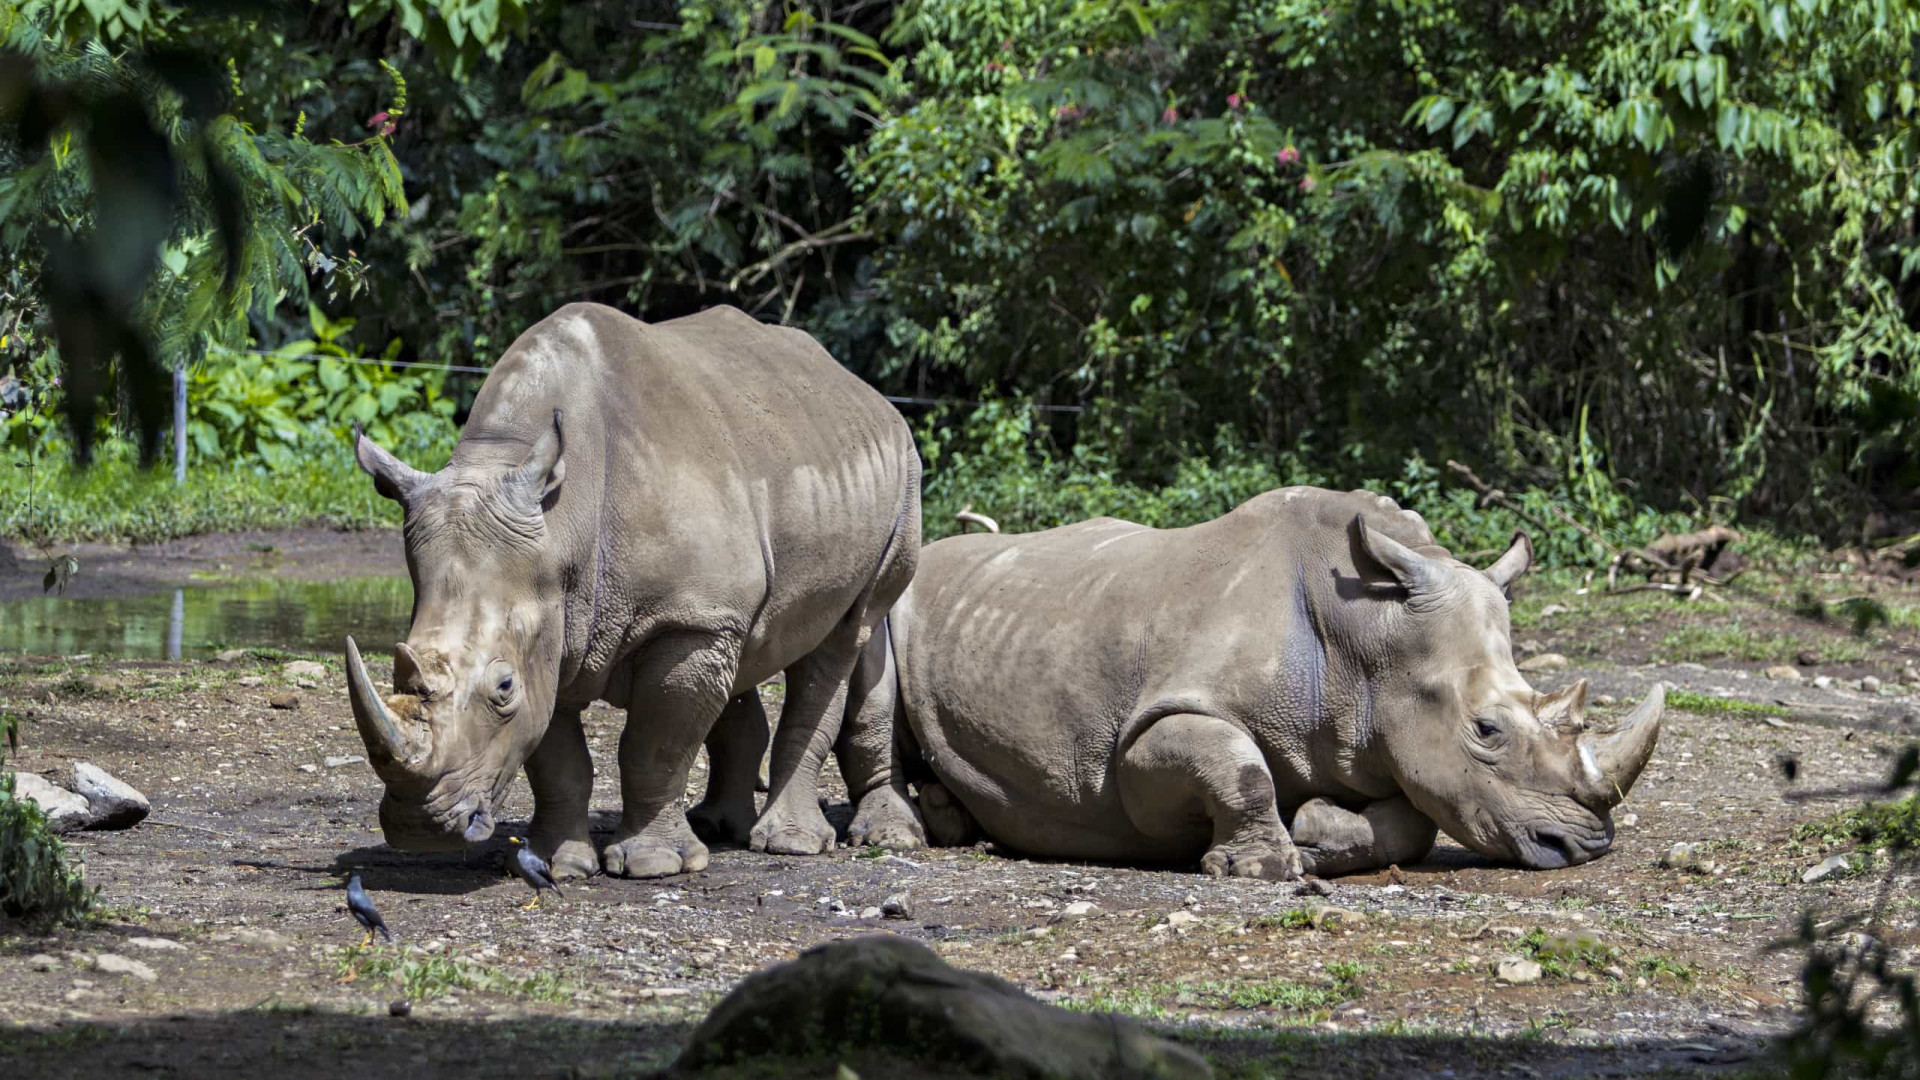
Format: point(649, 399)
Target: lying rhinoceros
point(1311, 661)
point(660, 516)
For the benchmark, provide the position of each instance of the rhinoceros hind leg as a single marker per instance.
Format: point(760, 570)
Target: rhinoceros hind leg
point(948, 823)
point(792, 823)
point(561, 774)
point(870, 754)
point(734, 749)
point(1187, 769)
point(1337, 841)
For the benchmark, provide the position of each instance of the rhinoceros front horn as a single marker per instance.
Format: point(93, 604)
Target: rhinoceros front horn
point(1612, 762)
point(387, 741)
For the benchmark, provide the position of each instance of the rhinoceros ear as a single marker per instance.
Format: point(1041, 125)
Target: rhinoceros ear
point(392, 477)
point(1412, 570)
point(544, 469)
point(1564, 709)
point(1508, 568)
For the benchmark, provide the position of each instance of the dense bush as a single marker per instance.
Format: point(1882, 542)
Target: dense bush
point(40, 884)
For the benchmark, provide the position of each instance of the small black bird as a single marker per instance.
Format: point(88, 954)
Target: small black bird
point(363, 911)
point(534, 871)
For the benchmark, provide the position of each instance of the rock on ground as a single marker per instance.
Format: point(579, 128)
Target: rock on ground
point(1549, 661)
point(1517, 970)
point(893, 996)
point(1825, 869)
point(115, 964)
point(303, 669)
point(65, 810)
point(114, 803)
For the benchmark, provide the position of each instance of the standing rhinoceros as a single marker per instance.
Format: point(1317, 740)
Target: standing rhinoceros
point(1111, 691)
point(658, 516)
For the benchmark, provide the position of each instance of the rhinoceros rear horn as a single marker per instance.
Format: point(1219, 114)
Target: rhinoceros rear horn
point(1508, 567)
point(540, 475)
point(389, 741)
point(1612, 762)
point(392, 478)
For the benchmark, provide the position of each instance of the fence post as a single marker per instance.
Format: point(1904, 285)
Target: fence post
point(180, 425)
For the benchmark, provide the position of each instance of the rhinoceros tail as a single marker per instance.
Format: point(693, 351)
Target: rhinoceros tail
point(966, 517)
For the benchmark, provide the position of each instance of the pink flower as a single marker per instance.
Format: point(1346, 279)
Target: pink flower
point(1233, 101)
point(1287, 156)
point(377, 119)
point(1306, 183)
point(1170, 116)
point(56, 380)
point(995, 65)
point(1068, 112)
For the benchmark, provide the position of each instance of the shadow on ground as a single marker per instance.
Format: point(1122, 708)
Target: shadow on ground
point(287, 1043)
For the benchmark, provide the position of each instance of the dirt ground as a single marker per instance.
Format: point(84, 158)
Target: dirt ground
point(231, 893)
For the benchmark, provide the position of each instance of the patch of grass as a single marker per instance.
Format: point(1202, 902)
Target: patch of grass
point(423, 975)
point(1651, 967)
point(1292, 919)
point(1734, 641)
point(1893, 825)
point(1688, 701)
point(40, 883)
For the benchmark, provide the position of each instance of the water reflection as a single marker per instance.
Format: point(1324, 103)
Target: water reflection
point(199, 621)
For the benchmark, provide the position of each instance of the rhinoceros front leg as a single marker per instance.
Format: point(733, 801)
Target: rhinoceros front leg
point(734, 749)
point(1187, 765)
point(1333, 840)
point(680, 684)
point(561, 774)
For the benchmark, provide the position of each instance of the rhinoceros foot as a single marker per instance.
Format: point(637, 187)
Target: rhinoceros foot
point(793, 827)
point(660, 853)
point(570, 859)
point(948, 823)
point(1258, 859)
point(723, 821)
point(886, 819)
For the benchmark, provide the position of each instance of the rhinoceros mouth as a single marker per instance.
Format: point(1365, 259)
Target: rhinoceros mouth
point(1548, 847)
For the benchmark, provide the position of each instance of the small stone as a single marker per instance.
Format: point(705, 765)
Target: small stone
point(1313, 886)
point(1679, 857)
point(869, 913)
point(1626, 821)
point(1328, 917)
point(114, 804)
point(284, 701)
point(303, 669)
point(1783, 673)
point(65, 810)
point(1551, 610)
point(898, 906)
point(1517, 970)
point(1079, 909)
point(1870, 684)
point(1690, 665)
point(1604, 701)
point(1826, 868)
point(253, 935)
point(1546, 661)
point(249, 681)
point(43, 962)
point(400, 1007)
point(156, 944)
point(115, 964)
point(309, 768)
point(1807, 657)
point(1581, 1034)
point(339, 762)
point(1182, 920)
point(1822, 682)
point(228, 656)
point(1613, 971)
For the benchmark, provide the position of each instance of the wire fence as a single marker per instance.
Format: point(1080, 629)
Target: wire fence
point(897, 400)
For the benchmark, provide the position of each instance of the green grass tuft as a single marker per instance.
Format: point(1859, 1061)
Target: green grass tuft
point(1688, 701)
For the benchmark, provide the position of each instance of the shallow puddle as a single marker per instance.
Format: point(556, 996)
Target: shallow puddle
point(200, 620)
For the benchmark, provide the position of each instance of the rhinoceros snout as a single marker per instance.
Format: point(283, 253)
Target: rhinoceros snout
point(1550, 848)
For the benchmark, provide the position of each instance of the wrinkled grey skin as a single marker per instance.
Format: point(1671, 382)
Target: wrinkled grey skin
point(1313, 659)
point(658, 516)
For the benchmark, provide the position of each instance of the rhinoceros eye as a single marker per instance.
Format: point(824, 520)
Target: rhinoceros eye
point(1487, 728)
point(503, 683)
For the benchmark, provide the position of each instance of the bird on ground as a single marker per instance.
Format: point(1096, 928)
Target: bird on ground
point(534, 871)
point(364, 912)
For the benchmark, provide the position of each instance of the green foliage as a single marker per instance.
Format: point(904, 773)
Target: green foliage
point(115, 499)
point(40, 883)
point(1688, 701)
point(424, 975)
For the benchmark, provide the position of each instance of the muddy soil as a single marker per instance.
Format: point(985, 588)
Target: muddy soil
point(109, 570)
point(238, 876)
